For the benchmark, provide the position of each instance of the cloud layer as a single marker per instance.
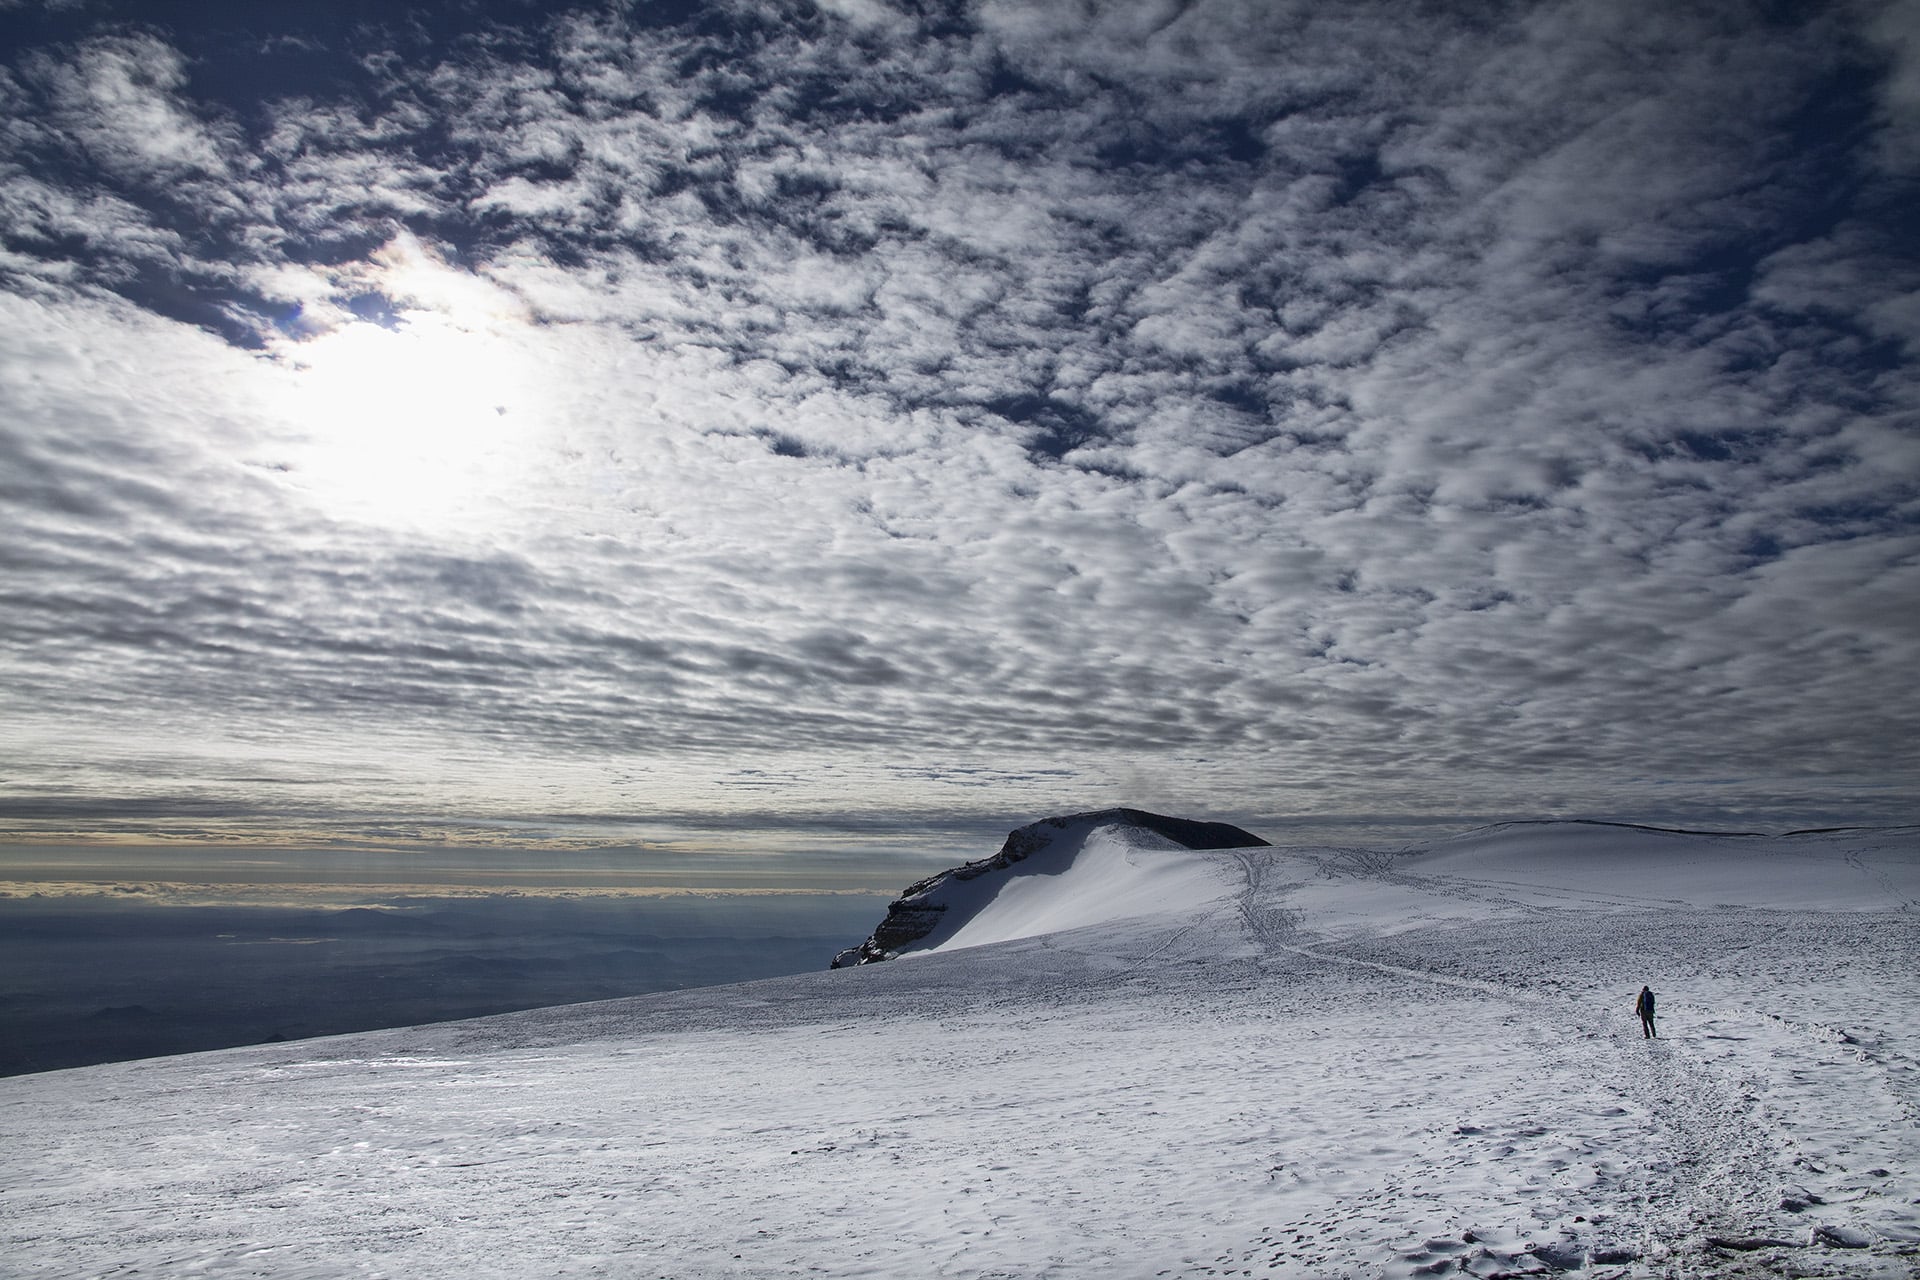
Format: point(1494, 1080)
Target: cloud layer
point(1256, 410)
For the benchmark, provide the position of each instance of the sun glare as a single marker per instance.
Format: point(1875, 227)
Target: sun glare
point(418, 421)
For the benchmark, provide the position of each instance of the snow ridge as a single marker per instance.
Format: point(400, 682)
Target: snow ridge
point(940, 905)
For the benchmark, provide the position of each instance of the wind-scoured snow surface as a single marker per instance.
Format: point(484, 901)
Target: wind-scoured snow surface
point(1297, 1062)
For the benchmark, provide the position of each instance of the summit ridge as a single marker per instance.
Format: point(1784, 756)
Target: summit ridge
point(939, 904)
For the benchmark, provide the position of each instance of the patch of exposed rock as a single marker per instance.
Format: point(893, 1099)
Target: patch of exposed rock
point(918, 910)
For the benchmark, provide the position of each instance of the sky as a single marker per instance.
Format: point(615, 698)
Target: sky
point(510, 423)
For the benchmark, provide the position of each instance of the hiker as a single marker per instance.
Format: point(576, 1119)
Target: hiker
point(1644, 1007)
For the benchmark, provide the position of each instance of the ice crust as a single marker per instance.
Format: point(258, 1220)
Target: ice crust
point(1141, 1062)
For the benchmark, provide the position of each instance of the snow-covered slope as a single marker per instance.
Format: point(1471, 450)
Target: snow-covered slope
point(1310, 1062)
point(1634, 866)
point(1055, 874)
point(1522, 870)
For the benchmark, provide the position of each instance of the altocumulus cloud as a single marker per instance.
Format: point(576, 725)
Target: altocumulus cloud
point(673, 409)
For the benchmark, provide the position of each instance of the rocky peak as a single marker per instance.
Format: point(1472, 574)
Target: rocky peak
point(921, 908)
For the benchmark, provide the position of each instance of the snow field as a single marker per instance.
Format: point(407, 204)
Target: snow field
point(1330, 1063)
point(1056, 1140)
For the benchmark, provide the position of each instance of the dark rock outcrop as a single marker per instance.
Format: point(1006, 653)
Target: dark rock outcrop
point(918, 910)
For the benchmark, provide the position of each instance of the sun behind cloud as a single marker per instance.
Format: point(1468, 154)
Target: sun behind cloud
point(413, 406)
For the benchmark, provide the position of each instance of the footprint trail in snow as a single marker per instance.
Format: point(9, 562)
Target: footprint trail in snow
point(1127, 1058)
